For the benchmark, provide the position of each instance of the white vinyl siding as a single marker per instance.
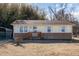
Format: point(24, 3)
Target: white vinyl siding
point(66, 28)
point(16, 28)
point(20, 29)
point(43, 28)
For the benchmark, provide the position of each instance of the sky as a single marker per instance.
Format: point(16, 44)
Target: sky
point(44, 6)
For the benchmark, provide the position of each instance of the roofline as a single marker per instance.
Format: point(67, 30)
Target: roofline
point(43, 20)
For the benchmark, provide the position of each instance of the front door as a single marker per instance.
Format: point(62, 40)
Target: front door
point(34, 33)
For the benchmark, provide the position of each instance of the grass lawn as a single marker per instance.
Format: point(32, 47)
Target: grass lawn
point(40, 49)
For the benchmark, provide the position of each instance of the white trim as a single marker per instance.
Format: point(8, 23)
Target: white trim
point(43, 29)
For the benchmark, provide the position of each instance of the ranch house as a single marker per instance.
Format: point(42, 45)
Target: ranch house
point(42, 29)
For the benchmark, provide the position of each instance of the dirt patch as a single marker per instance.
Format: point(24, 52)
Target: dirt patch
point(39, 49)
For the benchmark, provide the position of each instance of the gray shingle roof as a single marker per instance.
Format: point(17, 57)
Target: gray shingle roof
point(40, 22)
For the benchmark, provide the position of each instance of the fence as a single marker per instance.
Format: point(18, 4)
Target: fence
point(5, 35)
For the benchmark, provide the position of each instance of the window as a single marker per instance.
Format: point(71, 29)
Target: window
point(63, 29)
point(21, 29)
point(34, 29)
point(25, 29)
point(49, 29)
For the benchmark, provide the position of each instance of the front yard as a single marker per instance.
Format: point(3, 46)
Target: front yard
point(40, 49)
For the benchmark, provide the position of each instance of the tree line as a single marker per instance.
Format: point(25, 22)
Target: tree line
point(10, 12)
point(19, 11)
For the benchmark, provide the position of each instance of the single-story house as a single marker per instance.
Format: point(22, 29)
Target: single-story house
point(46, 29)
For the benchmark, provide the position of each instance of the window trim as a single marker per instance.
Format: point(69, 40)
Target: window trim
point(63, 29)
point(21, 29)
point(35, 29)
point(48, 28)
point(25, 28)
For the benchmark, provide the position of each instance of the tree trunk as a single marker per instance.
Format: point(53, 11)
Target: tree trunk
point(18, 41)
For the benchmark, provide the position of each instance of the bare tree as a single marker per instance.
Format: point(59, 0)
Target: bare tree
point(62, 12)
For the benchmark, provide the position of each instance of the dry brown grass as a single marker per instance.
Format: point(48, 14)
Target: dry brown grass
point(40, 49)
